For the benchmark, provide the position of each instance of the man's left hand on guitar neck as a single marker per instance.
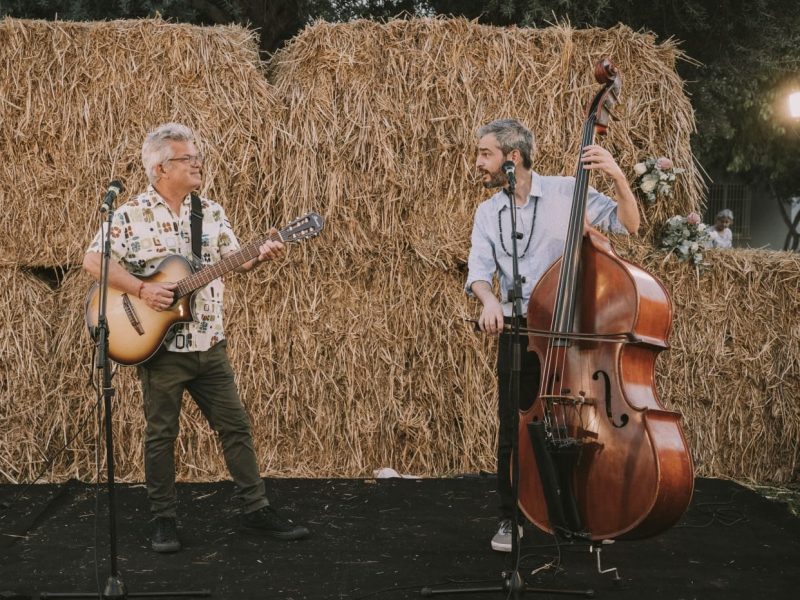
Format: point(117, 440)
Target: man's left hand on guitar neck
point(269, 250)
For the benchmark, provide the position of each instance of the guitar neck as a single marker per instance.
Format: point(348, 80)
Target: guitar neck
point(230, 262)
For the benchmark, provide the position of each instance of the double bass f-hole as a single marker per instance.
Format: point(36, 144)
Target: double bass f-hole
point(607, 399)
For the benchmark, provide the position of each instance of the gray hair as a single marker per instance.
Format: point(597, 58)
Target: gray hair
point(156, 149)
point(511, 135)
point(725, 213)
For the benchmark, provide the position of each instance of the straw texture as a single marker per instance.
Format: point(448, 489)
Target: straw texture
point(352, 353)
point(77, 101)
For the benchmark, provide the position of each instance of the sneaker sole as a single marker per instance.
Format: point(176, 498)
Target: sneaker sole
point(166, 547)
point(501, 547)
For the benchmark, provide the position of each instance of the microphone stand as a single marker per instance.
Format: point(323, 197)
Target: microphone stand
point(115, 588)
point(513, 585)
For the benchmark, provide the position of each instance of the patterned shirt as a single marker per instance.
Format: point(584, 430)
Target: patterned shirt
point(543, 222)
point(145, 231)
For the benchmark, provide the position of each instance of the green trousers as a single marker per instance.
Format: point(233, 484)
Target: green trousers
point(209, 379)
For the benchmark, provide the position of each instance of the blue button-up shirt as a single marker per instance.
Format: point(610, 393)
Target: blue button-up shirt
point(543, 235)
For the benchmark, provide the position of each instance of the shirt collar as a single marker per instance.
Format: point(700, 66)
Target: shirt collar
point(536, 186)
point(536, 192)
point(159, 199)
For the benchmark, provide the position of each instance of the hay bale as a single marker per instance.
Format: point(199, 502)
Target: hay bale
point(385, 140)
point(351, 354)
point(734, 366)
point(78, 99)
point(339, 387)
point(29, 423)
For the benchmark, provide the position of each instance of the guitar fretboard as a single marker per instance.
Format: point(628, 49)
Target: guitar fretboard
point(232, 261)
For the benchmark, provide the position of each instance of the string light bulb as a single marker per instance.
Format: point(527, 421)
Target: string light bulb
point(794, 105)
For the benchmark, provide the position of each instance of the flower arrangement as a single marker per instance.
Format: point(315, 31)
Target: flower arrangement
point(655, 177)
point(687, 237)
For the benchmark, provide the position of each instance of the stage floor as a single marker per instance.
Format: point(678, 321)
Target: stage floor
point(385, 539)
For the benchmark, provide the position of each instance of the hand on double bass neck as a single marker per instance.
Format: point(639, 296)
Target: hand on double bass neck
point(596, 157)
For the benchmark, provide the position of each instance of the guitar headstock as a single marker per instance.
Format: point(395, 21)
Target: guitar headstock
point(308, 226)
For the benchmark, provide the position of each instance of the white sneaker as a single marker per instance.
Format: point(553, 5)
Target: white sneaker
point(502, 539)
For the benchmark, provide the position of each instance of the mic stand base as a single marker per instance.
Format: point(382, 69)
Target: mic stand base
point(513, 586)
point(115, 590)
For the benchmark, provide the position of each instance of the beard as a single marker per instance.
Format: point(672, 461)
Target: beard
point(497, 180)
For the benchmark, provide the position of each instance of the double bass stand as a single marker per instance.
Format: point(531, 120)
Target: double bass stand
point(512, 584)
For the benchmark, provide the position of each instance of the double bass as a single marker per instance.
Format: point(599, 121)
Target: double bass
point(599, 456)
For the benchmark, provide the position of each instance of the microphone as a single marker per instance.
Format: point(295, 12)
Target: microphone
point(114, 189)
point(508, 169)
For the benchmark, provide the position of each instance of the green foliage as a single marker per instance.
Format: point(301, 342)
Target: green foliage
point(347, 10)
point(189, 11)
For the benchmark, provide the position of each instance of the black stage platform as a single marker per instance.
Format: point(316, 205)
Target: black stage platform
point(384, 540)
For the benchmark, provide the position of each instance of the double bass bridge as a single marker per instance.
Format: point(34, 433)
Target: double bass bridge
point(566, 399)
point(559, 433)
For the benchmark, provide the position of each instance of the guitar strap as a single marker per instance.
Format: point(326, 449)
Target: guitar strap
point(196, 230)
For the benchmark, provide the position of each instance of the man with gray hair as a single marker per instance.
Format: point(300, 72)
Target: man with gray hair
point(147, 229)
point(542, 205)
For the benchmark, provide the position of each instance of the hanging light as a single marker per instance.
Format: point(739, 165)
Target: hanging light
point(794, 105)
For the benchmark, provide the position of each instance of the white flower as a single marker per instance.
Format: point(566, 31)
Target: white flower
point(648, 185)
point(655, 177)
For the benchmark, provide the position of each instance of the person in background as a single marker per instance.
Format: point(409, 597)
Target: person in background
point(720, 232)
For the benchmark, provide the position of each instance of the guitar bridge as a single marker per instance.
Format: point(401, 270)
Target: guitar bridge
point(130, 312)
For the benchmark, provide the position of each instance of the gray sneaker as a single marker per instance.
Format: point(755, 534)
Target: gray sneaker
point(502, 539)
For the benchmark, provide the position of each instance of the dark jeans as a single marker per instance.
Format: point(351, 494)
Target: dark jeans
point(209, 379)
point(507, 411)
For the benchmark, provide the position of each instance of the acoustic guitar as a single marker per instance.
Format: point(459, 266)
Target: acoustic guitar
point(136, 331)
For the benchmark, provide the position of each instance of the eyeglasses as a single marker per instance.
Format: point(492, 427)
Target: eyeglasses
point(193, 161)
